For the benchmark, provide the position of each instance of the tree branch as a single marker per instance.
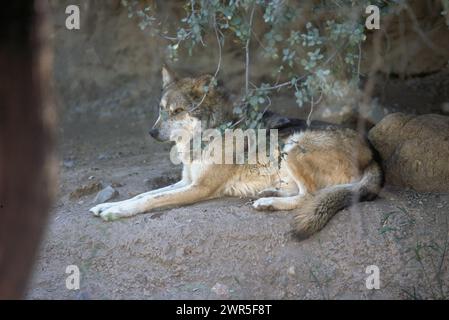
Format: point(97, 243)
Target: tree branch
point(248, 41)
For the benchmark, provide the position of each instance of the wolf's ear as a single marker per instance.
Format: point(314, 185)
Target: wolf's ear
point(167, 76)
point(203, 84)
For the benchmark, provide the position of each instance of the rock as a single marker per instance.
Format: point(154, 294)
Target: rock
point(106, 194)
point(68, 164)
point(220, 290)
point(414, 150)
point(103, 156)
point(86, 190)
point(291, 271)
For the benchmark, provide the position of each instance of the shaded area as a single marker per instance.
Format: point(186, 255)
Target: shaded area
point(26, 140)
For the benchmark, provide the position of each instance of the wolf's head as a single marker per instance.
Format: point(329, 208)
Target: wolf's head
point(188, 103)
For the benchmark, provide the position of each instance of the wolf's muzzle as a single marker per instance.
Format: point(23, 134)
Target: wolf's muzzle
point(154, 133)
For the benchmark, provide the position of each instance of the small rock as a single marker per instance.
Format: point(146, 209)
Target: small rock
point(220, 290)
point(291, 271)
point(103, 157)
point(106, 194)
point(68, 164)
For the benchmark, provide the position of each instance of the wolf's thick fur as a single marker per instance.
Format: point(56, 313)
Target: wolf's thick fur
point(324, 168)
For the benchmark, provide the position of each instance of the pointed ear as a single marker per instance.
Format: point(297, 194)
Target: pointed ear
point(167, 76)
point(203, 84)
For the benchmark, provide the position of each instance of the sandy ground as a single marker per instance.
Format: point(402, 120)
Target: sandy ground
point(223, 248)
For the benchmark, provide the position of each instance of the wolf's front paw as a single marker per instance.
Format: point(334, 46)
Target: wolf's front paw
point(98, 209)
point(263, 204)
point(118, 211)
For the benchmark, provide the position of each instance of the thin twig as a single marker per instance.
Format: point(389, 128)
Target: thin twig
point(268, 106)
point(258, 39)
point(248, 41)
point(290, 83)
point(219, 47)
point(360, 60)
point(311, 111)
point(318, 283)
point(312, 107)
point(218, 65)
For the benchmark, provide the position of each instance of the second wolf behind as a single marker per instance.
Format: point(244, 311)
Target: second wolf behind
point(324, 167)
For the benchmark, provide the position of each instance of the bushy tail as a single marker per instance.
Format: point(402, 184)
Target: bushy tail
point(317, 209)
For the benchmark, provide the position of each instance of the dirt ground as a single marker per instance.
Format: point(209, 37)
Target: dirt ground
point(223, 248)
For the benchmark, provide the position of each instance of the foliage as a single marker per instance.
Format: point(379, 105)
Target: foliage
point(312, 54)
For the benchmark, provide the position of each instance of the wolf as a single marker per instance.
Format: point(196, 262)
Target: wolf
point(323, 169)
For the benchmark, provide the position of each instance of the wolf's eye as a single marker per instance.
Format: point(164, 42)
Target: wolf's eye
point(177, 111)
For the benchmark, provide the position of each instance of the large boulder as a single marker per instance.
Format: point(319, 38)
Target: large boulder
point(414, 150)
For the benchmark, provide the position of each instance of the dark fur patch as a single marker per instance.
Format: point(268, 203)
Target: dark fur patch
point(288, 126)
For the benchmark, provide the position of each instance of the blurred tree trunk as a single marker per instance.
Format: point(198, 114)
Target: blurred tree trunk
point(26, 140)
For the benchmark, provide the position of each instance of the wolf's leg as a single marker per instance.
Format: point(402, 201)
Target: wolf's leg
point(276, 200)
point(181, 196)
point(104, 206)
point(303, 177)
point(277, 203)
